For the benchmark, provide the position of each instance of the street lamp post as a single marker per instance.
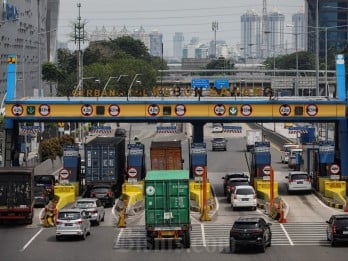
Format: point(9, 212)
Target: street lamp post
point(113, 77)
point(130, 87)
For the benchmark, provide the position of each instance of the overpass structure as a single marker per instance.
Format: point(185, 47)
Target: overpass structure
point(194, 109)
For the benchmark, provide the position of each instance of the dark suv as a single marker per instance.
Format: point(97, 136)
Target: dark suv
point(337, 229)
point(232, 183)
point(47, 181)
point(105, 193)
point(232, 175)
point(219, 144)
point(250, 231)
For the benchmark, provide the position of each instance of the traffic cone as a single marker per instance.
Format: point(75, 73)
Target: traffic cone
point(282, 218)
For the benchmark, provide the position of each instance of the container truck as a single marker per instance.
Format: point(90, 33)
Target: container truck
point(166, 155)
point(17, 195)
point(167, 207)
point(252, 136)
point(105, 162)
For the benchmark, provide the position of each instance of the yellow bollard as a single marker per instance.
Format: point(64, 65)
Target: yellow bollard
point(122, 216)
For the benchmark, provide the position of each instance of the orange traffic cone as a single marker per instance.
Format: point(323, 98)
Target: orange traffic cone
point(282, 218)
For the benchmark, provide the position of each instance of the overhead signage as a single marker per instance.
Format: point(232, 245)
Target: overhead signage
point(312, 110)
point(114, 110)
point(219, 109)
point(285, 110)
point(44, 109)
point(220, 83)
point(86, 110)
point(180, 110)
point(153, 110)
point(200, 83)
point(246, 110)
point(17, 110)
point(233, 110)
point(199, 148)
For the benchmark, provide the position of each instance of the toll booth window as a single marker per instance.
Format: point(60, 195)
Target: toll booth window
point(167, 110)
point(298, 110)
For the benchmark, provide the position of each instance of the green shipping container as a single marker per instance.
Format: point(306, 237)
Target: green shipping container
point(167, 198)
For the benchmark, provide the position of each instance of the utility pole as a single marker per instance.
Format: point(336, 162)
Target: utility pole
point(79, 37)
point(215, 27)
point(264, 40)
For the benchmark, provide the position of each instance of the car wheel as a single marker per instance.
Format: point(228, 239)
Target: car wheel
point(97, 222)
point(263, 247)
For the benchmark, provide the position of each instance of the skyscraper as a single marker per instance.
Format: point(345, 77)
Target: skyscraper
point(276, 21)
point(250, 34)
point(156, 43)
point(298, 31)
point(178, 41)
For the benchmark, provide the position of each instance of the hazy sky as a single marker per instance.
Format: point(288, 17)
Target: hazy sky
point(192, 17)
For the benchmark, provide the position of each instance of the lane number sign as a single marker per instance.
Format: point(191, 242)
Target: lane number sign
point(44, 109)
point(114, 110)
point(219, 109)
point(86, 110)
point(246, 110)
point(180, 110)
point(312, 110)
point(153, 110)
point(284, 110)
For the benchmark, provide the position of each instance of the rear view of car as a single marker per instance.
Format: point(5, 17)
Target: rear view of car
point(244, 196)
point(219, 144)
point(337, 229)
point(232, 183)
point(41, 198)
point(299, 181)
point(47, 181)
point(217, 128)
point(104, 193)
point(93, 207)
point(232, 175)
point(72, 222)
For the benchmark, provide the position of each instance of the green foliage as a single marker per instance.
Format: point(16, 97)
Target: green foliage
point(306, 61)
point(51, 148)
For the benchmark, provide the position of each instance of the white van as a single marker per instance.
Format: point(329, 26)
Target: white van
point(292, 157)
point(285, 151)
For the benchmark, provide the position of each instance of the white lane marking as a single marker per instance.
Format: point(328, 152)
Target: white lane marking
point(324, 205)
point(203, 236)
point(119, 236)
point(286, 234)
point(31, 240)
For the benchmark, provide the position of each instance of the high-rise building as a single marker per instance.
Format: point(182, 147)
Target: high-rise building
point(298, 32)
point(178, 43)
point(156, 45)
point(276, 25)
point(29, 30)
point(332, 24)
point(250, 35)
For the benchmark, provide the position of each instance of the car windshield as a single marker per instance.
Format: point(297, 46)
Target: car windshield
point(244, 225)
point(101, 190)
point(244, 191)
point(299, 176)
point(219, 139)
point(68, 215)
point(342, 221)
point(84, 204)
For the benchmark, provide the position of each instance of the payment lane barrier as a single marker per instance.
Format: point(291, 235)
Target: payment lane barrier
point(232, 129)
point(166, 129)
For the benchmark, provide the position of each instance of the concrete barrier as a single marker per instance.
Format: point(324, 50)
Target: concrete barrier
point(336, 190)
point(196, 189)
point(134, 194)
point(65, 195)
point(262, 188)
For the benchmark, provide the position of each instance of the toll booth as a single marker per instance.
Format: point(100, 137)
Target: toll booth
point(326, 156)
point(307, 135)
point(261, 156)
point(72, 162)
point(198, 159)
point(136, 169)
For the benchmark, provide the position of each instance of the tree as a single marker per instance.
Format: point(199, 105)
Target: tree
point(52, 73)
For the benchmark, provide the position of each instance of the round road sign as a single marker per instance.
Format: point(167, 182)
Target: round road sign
point(86, 110)
point(335, 169)
point(44, 109)
point(312, 110)
point(132, 172)
point(64, 174)
point(114, 110)
point(180, 110)
point(199, 170)
point(219, 109)
point(246, 110)
point(266, 170)
point(284, 110)
point(17, 110)
point(153, 110)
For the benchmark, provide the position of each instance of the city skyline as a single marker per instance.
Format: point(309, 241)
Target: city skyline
point(168, 18)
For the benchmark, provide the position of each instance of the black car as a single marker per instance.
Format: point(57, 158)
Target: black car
point(105, 193)
point(232, 175)
point(337, 229)
point(47, 181)
point(41, 197)
point(219, 144)
point(120, 132)
point(250, 231)
point(232, 183)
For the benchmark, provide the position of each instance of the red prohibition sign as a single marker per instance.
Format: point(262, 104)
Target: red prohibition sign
point(246, 110)
point(114, 110)
point(312, 109)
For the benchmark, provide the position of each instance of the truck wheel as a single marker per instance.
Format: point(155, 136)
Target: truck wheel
point(186, 239)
